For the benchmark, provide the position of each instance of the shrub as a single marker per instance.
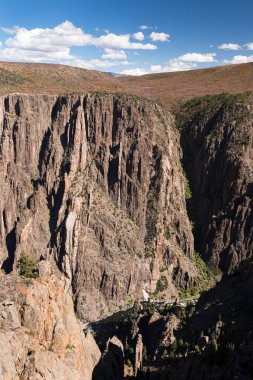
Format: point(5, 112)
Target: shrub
point(172, 354)
point(214, 346)
point(207, 280)
point(164, 355)
point(166, 233)
point(180, 342)
point(27, 266)
point(197, 349)
point(161, 285)
point(188, 193)
point(144, 354)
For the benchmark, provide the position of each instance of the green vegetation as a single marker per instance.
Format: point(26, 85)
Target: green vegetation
point(166, 233)
point(197, 349)
point(27, 266)
point(207, 280)
point(199, 110)
point(151, 228)
point(164, 355)
point(161, 285)
point(214, 346)
point(188, 193)
point(144, 353)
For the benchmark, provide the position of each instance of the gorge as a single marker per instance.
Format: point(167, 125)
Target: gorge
point(108, 199)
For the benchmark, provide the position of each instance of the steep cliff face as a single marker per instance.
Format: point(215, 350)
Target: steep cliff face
point(41, 338)
point(217, 145)
point(94, 182)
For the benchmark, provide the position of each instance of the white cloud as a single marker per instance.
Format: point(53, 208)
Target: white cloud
point(162, 37)
point(184, 62)
point(135, 72)
point(107, 31)
point(120, 41)
point(197, 57)
point(66, 35)
point(114, 54)
point(230, 46)
point(145, 27)
point(239, 59)
point(57, 38)
point(53, 45)
point(249, 46)
point(138, 36)
point(177, 65)
point(22, 55)
point(62, 57)
point(173, 66)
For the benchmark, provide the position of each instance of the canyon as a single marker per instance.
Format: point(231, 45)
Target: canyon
point(107, 200)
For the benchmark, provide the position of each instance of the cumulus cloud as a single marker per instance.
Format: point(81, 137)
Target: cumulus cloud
point(65, 58)
point(66, 35)
point(120, 41)
point(173, 66)
point(249, 46)
point(176, 65)
point(53, 45)
point(61, 57)
point(239, 59)
point(229, 46)
point(136, 72)
point(184, 62)
point(114, 54)
point(197, 57)
point(162, 37)
point(54, 39)
point(138, 36)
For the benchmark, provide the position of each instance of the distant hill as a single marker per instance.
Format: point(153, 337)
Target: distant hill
point(52, 79)
point(170, 87)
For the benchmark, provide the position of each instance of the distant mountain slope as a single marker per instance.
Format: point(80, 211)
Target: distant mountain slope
point(52, 79)
point(169, 87)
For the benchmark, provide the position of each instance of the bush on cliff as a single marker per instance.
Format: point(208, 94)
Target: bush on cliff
point(27, 266)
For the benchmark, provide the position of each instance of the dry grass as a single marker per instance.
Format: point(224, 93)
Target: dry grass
point(52, 79)
point(174, 88)
point(170, 88)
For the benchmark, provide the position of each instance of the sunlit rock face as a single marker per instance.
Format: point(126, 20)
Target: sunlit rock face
point(41, 337)
point(94, 183)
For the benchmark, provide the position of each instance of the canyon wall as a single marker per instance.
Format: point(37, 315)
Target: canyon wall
point(94, 184)
point(217, 144)
point(41, 337)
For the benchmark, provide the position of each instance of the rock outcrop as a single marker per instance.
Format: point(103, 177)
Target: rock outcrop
point(94, 183)
point(41, 338)
point(138, 355)
point(217, 145)
point(111, 365)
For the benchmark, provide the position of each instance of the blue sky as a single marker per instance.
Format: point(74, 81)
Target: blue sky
point(133, 37)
